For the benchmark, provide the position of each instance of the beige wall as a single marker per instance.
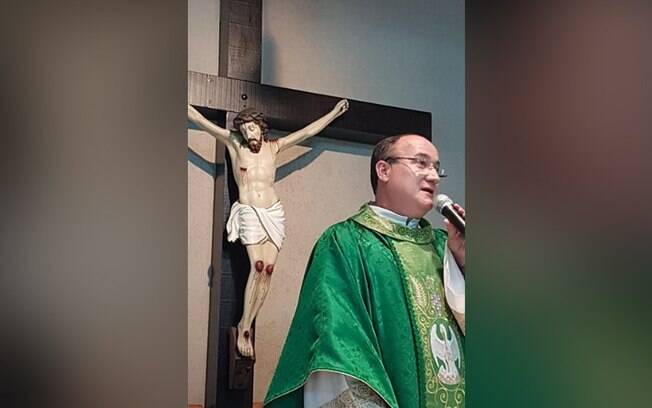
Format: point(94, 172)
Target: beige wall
point(200, 229)
point(408, 54)
point(203, 38)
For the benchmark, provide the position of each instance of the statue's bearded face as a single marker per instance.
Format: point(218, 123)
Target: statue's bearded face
point(253, 135)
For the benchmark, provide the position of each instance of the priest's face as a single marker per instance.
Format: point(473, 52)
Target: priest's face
point(253, 135)
point(411, 176)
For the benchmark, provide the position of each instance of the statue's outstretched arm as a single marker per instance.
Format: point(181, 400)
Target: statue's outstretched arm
point(313, 128)
point(221, 134)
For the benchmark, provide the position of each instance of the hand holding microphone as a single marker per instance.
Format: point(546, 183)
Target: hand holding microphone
point(453, 212)
point(456, 226)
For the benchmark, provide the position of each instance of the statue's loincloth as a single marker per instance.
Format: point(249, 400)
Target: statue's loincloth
point(254, 225)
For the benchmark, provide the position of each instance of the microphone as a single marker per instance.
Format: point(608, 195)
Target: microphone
point(445, 208)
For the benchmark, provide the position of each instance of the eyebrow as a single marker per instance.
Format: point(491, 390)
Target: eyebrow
point(425, 156)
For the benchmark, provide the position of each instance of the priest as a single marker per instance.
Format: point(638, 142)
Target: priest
point(380, 318)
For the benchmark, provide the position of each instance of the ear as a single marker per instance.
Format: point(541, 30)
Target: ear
point(383, 169)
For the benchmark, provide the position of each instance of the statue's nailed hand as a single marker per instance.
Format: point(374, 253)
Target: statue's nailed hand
point(342, 106)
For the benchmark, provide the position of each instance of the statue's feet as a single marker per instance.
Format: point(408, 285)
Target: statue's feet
point(245, 346)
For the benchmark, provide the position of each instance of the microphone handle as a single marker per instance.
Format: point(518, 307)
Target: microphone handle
point(455, 219)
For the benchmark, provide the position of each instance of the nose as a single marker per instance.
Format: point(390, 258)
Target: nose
point(432, 174)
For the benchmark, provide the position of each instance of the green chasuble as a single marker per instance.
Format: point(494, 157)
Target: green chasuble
point(372, 307)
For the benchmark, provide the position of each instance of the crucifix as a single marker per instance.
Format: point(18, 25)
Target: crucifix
point(237, 87)
point(257, 219)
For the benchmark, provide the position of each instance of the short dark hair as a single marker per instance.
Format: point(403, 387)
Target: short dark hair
point(251, 115)
point(381, 152)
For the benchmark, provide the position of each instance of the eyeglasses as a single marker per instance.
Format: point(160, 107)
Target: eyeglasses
point(421, 164)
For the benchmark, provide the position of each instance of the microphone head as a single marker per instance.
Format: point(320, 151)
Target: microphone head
point(442, 201)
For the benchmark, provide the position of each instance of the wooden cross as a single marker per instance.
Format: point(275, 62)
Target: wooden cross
point(220, 98)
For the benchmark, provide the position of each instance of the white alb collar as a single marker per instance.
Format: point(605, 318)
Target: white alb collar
point(395, 218)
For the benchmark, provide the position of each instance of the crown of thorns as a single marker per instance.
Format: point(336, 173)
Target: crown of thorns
point(251, 115)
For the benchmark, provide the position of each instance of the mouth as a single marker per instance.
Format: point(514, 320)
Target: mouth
point(429, 190)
